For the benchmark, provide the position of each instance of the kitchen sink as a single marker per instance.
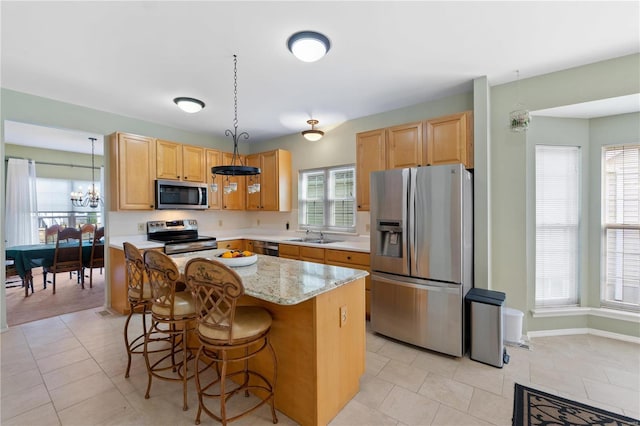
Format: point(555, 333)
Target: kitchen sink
point(314, 240)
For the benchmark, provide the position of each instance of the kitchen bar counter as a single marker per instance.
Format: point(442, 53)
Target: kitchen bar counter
point(283, 281)
point(318, 330)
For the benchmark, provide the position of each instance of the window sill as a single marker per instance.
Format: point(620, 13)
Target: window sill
point(577, 311)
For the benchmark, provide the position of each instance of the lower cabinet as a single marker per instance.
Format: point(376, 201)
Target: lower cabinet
point(344, 258)
point(232, 245)
point(354, 260)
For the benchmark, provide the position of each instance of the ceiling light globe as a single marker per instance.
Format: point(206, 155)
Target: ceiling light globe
point(189, 105)
point(308, 46)
point(313, 135)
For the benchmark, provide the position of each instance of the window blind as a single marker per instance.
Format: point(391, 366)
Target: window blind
point(557, 225)
point(327, 198)
point(621, 219)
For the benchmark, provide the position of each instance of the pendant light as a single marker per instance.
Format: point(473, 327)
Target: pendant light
point(313, 134)
point(519, 118)
point(92, 197)
point(236, 168)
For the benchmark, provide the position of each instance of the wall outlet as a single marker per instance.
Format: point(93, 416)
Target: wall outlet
point(142, 228)
point(220, 222)
point(343, 315)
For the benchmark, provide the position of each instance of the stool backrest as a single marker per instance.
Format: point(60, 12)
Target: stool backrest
point(216, 289)
point(163, 275)
point(135, 270)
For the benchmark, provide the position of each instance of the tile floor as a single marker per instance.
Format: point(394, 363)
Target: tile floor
point(69, 370)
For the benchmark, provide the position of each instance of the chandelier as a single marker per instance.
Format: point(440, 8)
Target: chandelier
point(236, 168)
point(91, 198)
point(519, 118)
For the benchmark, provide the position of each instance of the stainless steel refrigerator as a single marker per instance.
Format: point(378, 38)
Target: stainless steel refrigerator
point(422, 255)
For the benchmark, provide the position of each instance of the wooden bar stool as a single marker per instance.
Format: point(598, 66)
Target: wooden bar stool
point(172, 317)
point(229, 335)
point(139, 295)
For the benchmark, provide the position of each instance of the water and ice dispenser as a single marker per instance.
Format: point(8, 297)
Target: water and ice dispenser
point(390, 238)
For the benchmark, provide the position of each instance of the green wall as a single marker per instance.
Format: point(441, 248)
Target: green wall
point(70, 159)
point(510, 251)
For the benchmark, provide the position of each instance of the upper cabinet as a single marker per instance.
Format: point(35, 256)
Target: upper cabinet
point(450, 140)
point(370, 157)
point(214, 158)
point(404, 146)
point(176, 161)
point(442, 140)
point(132, 167)
point(274, 181)
point(233, 200)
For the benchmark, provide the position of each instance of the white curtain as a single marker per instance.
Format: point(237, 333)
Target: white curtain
point(21, 206)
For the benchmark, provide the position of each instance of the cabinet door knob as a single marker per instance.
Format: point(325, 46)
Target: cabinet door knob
point(348, 257)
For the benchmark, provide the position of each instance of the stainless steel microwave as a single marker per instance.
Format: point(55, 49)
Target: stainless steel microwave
point(173, 194)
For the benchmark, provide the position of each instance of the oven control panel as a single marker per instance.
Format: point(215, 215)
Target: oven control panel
point(156, 226)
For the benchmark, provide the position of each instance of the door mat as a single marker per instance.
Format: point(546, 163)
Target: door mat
point(534, 407)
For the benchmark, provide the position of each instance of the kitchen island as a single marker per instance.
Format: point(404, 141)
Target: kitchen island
point(318, 331)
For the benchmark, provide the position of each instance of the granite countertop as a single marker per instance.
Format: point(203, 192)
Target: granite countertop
point(360, 244)
point(283, 281)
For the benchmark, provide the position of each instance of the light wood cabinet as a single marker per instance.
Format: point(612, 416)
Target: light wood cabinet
point(449, 140)
point(370, 157)
point(289, 251)
point(312, 254)
point(232, 244)
point(175, 161)
point(274, 180)
point(133, 171)
point(405, 146)
point(355, 260)
point(214, 188)
point(234, 200)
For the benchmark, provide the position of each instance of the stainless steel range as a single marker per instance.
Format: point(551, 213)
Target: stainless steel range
point(179, 236)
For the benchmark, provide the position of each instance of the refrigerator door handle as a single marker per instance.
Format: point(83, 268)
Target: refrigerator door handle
point(412, 221)
point(455, 289)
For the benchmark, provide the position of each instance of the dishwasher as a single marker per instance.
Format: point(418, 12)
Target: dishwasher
point(264, 247)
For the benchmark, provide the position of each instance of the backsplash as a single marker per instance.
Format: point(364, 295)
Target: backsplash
point(126, 223)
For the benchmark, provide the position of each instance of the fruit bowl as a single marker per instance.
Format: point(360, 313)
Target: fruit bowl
point(244, 259)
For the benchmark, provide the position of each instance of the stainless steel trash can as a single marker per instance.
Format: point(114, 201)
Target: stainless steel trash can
point(486, 326)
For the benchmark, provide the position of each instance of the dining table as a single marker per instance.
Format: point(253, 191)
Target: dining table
point(27, 257)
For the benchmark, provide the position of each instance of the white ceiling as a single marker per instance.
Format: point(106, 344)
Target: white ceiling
point(133, 58)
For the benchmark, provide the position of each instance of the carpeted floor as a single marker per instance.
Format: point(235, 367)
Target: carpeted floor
point(534, 407)
point(69, 297)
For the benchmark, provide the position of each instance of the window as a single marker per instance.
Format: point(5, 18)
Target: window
point(327, 199)
point(557, 225)
point(621, 220)
point(54, 204)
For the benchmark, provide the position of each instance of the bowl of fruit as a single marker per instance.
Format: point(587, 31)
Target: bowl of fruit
point(237, 258)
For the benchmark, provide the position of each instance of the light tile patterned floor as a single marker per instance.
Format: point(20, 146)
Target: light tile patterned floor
point(69, 370)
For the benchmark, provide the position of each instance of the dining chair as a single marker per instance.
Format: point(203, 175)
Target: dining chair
point(172, 317)
point(139, 295)
point(87, 230)
point(11, 271)
point(67, 256)
point(229, 335)
point(50, 237)
point(96, 260)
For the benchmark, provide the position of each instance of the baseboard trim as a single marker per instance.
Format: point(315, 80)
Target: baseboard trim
point(593, 331)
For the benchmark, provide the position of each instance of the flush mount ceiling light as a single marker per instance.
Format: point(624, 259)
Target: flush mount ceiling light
point(189, 105)
point(313, 134)
point(236, 168)
point(308, 46)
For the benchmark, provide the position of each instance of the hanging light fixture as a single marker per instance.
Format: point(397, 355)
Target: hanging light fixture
point(308, 46)
point(519, 118)
point(313, 134)
point(92, 197)
point(236, 168)
point(189, 105)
